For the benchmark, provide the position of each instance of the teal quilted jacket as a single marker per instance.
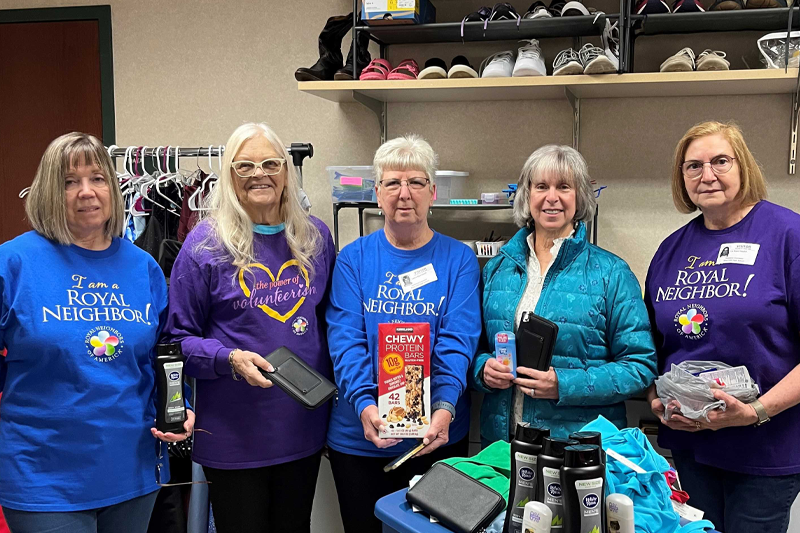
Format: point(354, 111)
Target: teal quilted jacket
point(604, 353)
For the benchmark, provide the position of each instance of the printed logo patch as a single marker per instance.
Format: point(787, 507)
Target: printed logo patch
point(300, 326)
point(692, 322)
point(104, 343)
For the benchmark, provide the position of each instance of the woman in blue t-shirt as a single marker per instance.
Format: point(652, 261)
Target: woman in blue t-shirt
point(406, 273)
point(726, 287)
point(80, 314)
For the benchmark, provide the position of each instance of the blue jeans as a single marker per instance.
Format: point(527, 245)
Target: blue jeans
point(131, 516)
point(737, 503)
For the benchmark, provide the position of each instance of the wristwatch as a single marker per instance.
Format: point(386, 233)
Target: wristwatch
point(763, 417)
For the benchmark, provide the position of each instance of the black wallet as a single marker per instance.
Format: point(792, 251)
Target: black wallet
point(297, 379)
point(536, 339)
point(458, 501)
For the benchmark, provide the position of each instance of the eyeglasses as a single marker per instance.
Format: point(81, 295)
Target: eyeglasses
point(719, 165)
point(415, 184)
point(247, 169)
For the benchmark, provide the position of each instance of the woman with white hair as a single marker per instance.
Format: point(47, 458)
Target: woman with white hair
point(251, 277)
point(368, 289)
point(604, 353)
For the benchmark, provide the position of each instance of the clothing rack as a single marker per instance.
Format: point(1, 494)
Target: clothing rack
point(298, 151)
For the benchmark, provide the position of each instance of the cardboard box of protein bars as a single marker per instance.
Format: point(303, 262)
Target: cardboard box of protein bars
point(404, 379)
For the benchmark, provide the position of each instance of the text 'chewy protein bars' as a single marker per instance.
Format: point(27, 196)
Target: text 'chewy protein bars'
point(404, 379)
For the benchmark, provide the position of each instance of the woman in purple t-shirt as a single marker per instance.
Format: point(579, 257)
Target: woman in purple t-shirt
point(726, 287)
point(250, 278)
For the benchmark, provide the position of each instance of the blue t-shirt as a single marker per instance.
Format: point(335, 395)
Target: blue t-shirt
point(365, 292)
point(78, 381)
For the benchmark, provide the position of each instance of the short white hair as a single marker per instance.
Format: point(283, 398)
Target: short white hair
point(409, 152)
point(558, 160)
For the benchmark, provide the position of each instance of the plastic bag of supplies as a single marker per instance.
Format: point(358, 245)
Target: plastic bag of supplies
point(688, 388)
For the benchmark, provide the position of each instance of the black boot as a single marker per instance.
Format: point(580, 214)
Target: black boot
point(362, 58)
point(330, 50)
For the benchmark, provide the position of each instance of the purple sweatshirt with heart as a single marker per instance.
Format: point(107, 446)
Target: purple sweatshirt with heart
point(214, 308)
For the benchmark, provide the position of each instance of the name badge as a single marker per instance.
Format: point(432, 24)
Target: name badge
point(420, 277)
point(738, 253)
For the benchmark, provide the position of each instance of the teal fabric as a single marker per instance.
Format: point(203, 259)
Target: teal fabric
point(649, 491)
point(604, 353)
point(263, 229)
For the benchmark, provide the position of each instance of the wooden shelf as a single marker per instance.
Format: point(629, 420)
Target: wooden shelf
point(733, 82)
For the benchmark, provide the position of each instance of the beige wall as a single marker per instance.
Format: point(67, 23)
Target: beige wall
point(188, 72)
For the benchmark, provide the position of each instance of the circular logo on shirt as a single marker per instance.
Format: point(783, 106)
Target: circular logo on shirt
point(104, 344)
point(300, 326)
point(691, 322)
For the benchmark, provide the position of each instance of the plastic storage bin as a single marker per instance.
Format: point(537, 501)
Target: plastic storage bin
point(449, 184)
point(351, 184)
point(489, 249)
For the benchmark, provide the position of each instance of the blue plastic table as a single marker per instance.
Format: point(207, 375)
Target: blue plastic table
point(398, 517)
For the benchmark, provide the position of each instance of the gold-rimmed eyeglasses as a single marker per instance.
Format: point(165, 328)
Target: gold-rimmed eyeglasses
point(720, 164)
point(415, 184)
point(247, 169)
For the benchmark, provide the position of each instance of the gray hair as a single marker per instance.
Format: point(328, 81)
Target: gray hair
point(46, 207)
point(409, 152)
point(559, 160)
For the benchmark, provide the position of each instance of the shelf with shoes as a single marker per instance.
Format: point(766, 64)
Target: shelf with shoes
point(496, 30)
point(636, 85)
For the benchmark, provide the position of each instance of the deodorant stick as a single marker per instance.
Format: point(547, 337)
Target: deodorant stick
point(619, 514)
point(537, 518)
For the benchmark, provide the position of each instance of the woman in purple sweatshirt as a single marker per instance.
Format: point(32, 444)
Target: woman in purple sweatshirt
point(252, 277)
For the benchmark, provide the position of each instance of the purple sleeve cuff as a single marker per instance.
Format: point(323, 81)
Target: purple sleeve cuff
point(221, 364)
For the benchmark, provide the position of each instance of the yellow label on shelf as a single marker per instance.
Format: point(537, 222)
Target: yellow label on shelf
point(391, 5)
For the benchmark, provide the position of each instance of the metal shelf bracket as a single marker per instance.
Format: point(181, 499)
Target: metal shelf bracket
point(575, 102)
point(377, 107)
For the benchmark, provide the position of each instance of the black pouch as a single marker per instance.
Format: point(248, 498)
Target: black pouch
point(536, 339)
point(293, 375)
point(458, 501)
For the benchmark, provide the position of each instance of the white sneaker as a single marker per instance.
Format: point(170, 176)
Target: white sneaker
point(712, 60)
point(499, 65)
point(683, 61)
point(610, 40)
point(529, 60)
point(539, 12)
point(595, 61)
point(567, 62)
point(574, 8)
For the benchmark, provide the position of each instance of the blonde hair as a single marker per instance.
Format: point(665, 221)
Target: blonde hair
point(557, 160)
point(753, 185)
point(45, 205)
point(409, 152)
point(231, 237)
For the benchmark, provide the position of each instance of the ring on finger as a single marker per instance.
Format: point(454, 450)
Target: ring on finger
point(533, 393)
point(697, 424)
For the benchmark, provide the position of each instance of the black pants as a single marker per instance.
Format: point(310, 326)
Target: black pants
point(169, 512)
point(361, 482)
point(270, 499)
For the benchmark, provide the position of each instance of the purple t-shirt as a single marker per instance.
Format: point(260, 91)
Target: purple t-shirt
point(733, 296)
point(213, 309)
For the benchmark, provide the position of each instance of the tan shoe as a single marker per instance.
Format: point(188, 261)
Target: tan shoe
point(712, 60)
point(683, 61)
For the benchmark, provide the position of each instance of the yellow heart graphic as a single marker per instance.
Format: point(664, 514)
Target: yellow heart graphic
point(267, 309)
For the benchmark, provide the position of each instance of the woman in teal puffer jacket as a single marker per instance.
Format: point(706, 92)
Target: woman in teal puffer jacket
point(604, 353)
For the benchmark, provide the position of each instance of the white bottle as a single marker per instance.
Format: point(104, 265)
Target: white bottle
point(537, 518)
point(619, 514)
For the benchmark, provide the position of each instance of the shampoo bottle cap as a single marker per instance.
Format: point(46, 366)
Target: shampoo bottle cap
point(588, 437)
point(582, 455)
point(169, 349)
point(554, 446)
point(530, 435)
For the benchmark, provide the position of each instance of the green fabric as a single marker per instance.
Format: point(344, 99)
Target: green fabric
point(492, 467)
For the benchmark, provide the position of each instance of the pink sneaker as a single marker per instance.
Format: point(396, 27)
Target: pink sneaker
point(376, 70)
point(406, 70)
